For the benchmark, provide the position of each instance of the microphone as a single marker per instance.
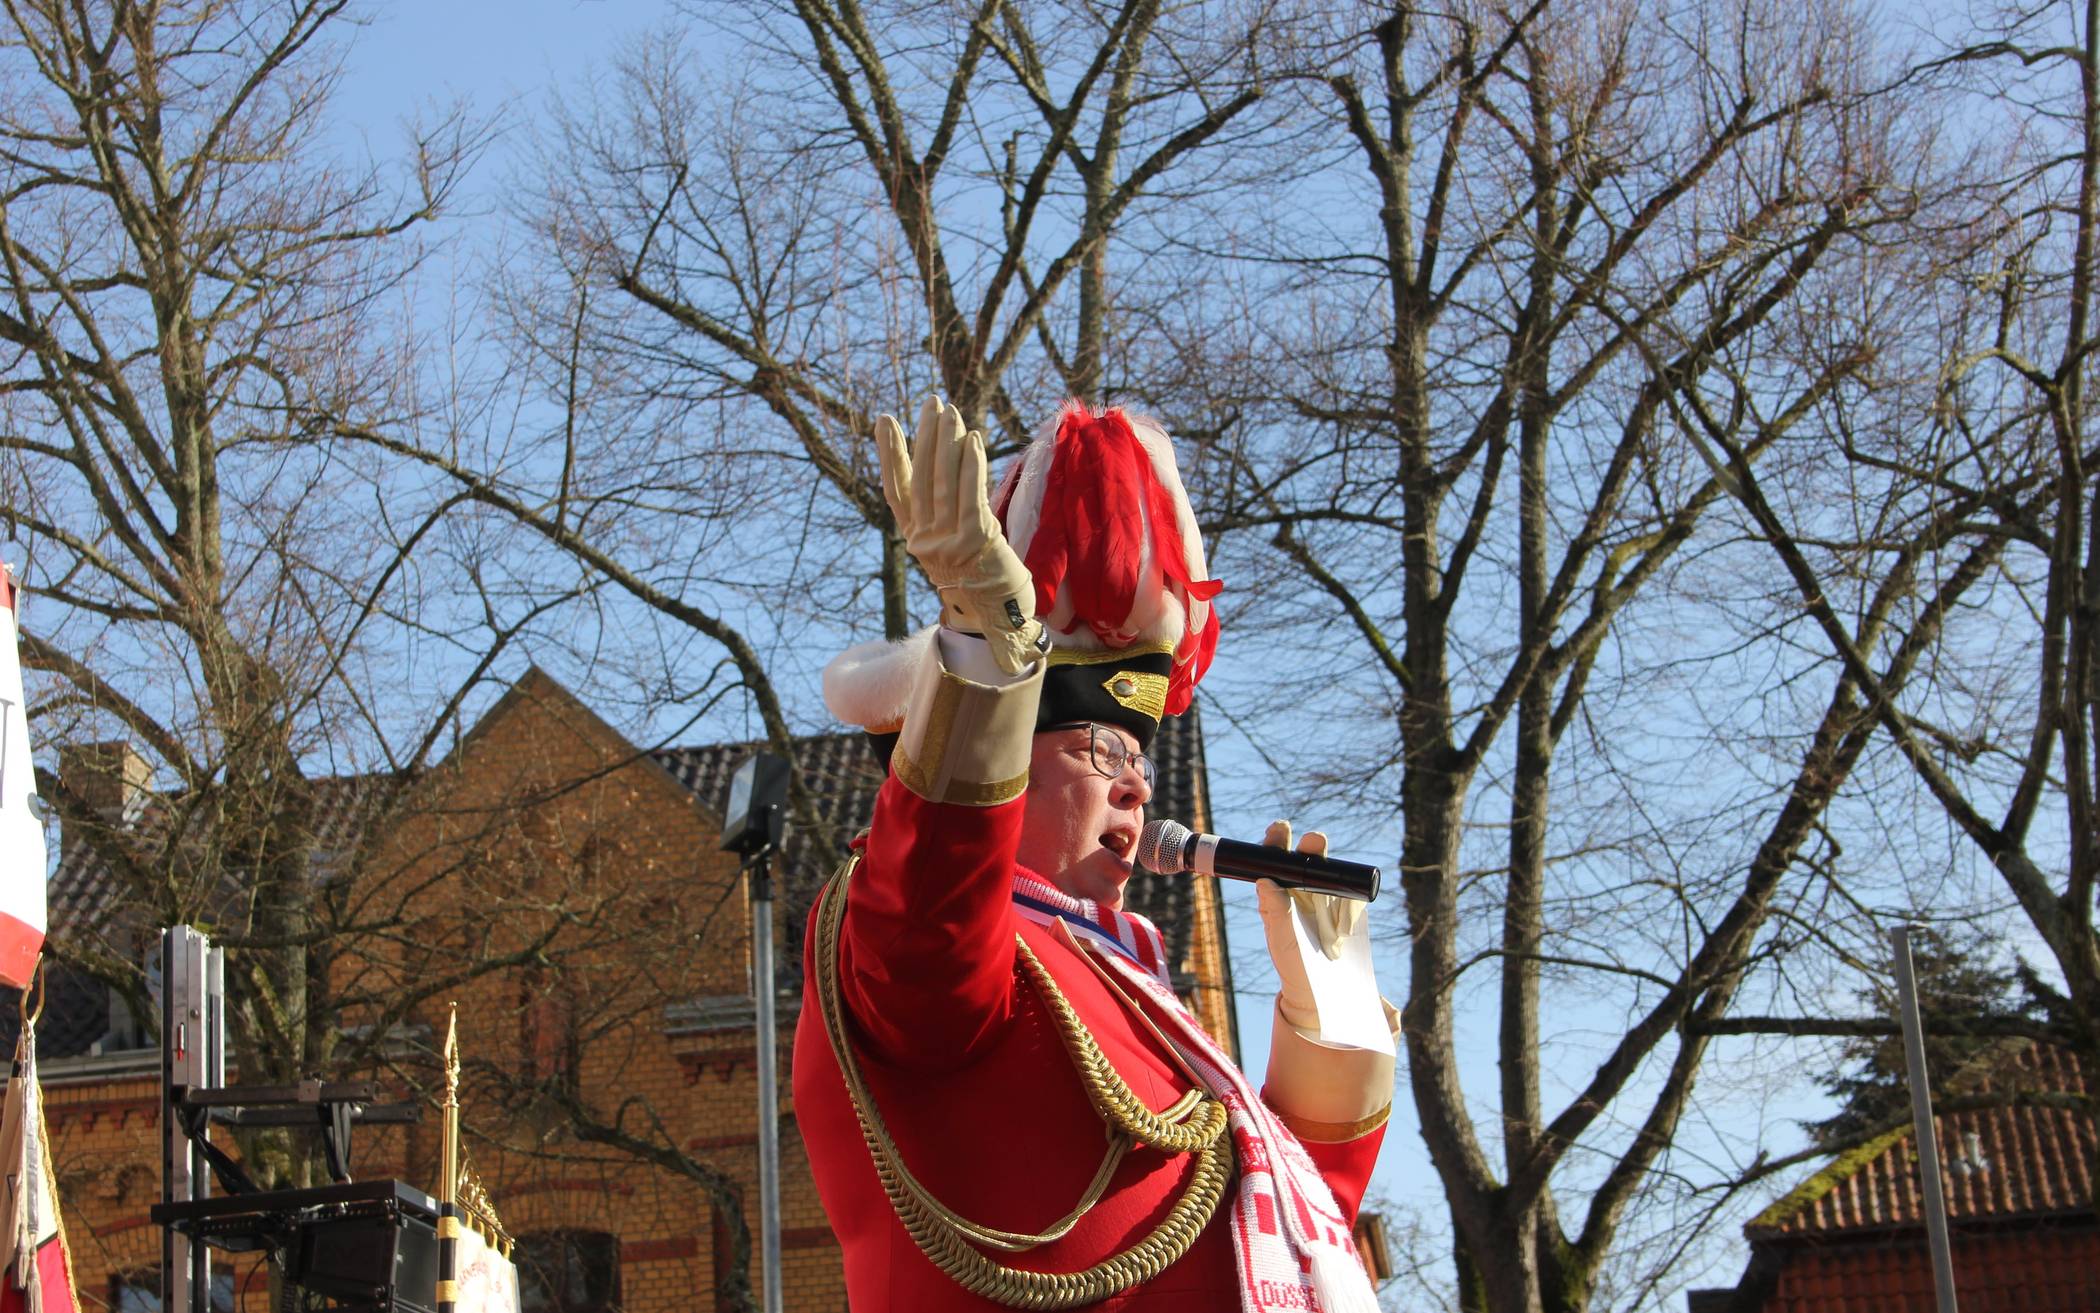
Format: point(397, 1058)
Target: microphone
point(1169, 848)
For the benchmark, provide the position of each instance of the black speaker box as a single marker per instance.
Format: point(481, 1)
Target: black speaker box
point(379, 1259)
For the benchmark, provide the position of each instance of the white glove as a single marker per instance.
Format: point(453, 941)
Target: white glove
point(1328, 1087)
point(937, 496)
point(1332, 919)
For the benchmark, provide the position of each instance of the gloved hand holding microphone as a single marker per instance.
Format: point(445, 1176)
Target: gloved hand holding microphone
point(1331, 1058)
point(1328, 1073)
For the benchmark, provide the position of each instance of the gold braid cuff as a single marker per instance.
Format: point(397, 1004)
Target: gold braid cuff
point(969, 794)
point(1309, 1131)
point(1195, 1123)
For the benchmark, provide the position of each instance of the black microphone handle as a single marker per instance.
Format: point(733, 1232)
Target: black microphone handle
point(1239, 860)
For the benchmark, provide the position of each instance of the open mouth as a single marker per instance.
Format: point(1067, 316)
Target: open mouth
point(1120, 842)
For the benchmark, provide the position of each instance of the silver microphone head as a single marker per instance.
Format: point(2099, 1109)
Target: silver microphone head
point(1162, 847)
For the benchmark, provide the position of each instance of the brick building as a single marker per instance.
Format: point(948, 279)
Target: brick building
point(2018, 1184)
point(610, 1017)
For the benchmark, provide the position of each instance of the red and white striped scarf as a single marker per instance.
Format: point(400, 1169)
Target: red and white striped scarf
point(1289, 1238)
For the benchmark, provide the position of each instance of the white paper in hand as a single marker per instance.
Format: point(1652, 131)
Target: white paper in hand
point(1344, 987)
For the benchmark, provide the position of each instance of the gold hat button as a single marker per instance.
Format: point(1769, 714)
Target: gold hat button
point(1124, 688)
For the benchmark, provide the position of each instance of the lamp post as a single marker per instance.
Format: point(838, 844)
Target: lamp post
point(1929, 1189)
point(754, 823)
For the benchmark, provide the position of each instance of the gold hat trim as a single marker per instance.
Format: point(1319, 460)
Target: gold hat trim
point(1140, 690)
point(1068, 656)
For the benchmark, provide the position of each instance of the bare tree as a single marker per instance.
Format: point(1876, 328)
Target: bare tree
point(2002, 453)
point(1511, 336)
point(1475, 479)
point(864, 202)
point(193, 289)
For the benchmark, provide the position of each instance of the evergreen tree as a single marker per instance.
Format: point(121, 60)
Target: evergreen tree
point(1958, 976)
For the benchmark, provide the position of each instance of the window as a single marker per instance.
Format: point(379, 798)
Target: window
point(139, 1292)
point(569, 1272)
point(547, 1032)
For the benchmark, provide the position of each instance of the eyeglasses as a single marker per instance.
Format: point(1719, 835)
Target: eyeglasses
point(1108, 753)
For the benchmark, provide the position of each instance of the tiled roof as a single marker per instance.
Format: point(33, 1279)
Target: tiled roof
point(87, 897)
point(85, 892)
point(2013, 1160)
point(89, 902)
point(75, 1015)
point(844, 774)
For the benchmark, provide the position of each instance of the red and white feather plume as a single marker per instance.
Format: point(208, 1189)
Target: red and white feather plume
point(1097, 511)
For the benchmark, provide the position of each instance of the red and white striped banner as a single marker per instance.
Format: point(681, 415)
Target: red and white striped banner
point(36, 1271)
point(23, 858)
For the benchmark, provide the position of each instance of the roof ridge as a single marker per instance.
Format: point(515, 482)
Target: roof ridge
point(1829, 1177)
point(724, 745)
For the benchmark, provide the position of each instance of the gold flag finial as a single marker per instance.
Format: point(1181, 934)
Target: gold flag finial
point(459, 1187)
point(452, 1059)
point(448, 1170)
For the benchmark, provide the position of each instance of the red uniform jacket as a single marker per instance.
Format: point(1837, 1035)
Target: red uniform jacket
point(970, 1076)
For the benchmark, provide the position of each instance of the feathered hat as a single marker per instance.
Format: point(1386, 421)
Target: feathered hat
point(1096, 509)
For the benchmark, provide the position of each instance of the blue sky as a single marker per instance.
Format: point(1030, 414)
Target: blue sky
point(503, 59)
point(410, 54)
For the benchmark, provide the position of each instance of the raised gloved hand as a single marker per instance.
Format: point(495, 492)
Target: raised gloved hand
point(1332, 920)
point(937, 495)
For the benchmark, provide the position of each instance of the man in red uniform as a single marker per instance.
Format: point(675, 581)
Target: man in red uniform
point(1004, 1104)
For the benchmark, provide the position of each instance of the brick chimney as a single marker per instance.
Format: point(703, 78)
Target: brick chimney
point(112, 778)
